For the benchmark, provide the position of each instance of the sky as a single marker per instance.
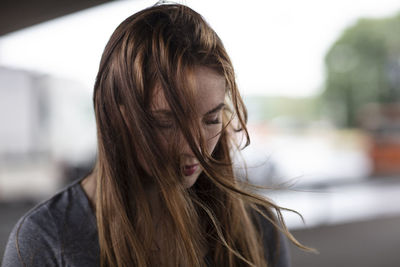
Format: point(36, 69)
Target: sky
point(277, 47)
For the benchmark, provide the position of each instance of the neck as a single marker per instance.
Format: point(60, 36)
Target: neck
point(89, 187)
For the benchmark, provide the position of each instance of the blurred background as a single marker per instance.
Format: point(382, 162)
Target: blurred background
point(321, 81)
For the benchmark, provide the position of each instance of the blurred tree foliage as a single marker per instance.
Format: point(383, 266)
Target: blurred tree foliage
point(264, 108)
point(363, 66)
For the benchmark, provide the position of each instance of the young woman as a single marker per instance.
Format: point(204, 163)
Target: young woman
point(163, 191)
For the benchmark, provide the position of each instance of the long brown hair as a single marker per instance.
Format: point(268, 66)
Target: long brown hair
point(162, 45)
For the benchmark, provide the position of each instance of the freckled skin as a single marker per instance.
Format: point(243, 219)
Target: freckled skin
point(210, 92)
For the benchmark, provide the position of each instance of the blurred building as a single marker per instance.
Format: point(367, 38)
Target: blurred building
point(24, 120)
point(46, 123)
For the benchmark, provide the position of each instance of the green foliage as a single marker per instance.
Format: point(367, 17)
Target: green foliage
point(363, 66)
point(263, 108)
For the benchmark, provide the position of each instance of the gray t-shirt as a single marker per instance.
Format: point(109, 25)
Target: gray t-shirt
point(62, 231)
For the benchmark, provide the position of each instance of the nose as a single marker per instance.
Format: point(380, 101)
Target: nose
point(185, 148)
point(186, 151)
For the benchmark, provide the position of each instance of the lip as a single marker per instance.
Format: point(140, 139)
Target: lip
point(190, 169)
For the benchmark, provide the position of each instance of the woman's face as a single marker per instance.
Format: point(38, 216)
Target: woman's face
point(209, 95)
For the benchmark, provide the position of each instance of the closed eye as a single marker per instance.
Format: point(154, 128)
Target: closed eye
point(213, 116)
point(164, 124)
point(215, 120)
point(163, 119)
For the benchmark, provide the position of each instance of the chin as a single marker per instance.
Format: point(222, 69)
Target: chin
point(189, 181)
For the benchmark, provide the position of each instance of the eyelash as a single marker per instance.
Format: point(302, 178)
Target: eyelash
point(214, 121)
point(169, 125)
point(165, 125)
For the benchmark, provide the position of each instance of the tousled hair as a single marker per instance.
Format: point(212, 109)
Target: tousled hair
point(161, 47)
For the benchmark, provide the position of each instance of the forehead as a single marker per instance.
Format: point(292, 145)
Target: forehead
point(209, 91)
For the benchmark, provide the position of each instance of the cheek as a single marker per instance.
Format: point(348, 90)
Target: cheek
point(213, 140)
point(212, 144)
point(163, 141)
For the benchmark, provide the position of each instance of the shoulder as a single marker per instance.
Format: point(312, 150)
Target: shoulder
point(274, 241)
point(34, 239)
point(37, 238)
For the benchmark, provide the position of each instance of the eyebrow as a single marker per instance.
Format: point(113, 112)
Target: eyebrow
point(163, 112)
point(217, 108)
point(167, 112)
